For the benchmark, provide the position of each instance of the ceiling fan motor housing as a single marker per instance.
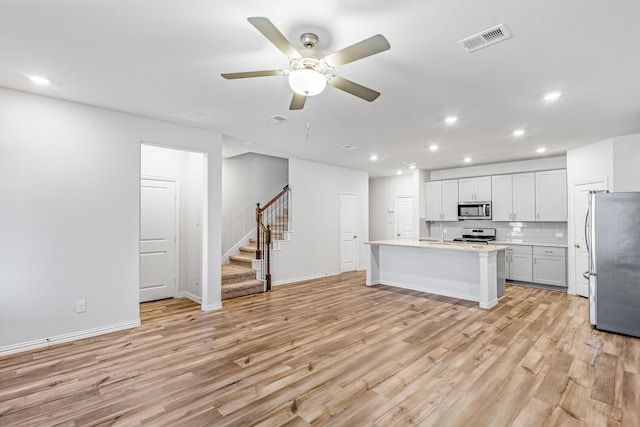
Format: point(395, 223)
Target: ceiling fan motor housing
point(309, 40)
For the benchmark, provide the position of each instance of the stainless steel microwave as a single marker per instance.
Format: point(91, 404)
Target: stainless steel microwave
point(474, 210)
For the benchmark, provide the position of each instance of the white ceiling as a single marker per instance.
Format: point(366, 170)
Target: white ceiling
point(163, 59)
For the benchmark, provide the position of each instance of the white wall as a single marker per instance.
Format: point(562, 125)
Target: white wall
point(547, 163)
point(382, 197)
point(70, 217)
point(626, 163)
point(246, 180)
point(589, 162)
point(187, 169)
point(314, 249)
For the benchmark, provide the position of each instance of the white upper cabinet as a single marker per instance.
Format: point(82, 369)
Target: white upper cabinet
point(551, 195)
point(474, 189)
point(524, 197)
point(450, 200)
point(442, 200)
point(502, 193)
point(513, 197)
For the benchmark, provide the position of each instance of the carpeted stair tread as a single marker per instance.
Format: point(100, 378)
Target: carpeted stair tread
point(248, 287)
point(249, 250)
point(234, 273)
point(243, 260)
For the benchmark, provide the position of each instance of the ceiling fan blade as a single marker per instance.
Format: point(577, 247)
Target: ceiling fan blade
point(297, 102)
point(248, 74)
point(368, 47)
point(274, 35)
point(353, 88)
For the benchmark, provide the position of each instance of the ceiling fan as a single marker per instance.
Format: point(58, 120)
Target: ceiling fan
point(310, 70)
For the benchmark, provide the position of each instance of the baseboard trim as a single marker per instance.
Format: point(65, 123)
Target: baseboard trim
point(304, 278)
point(59, 339)
point(212, 307)
point(193, 297)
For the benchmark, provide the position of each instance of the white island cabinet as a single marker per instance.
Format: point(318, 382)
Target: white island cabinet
point(470, 272)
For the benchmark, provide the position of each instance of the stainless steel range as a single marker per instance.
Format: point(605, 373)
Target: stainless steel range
point(477, 235)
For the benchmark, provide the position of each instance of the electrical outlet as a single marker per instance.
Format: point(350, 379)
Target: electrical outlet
point(81, 306)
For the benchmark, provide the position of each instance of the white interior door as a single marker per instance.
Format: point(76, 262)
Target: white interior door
point(157, 240)
point(581, 260)
point(348, 232)
point(404, 218)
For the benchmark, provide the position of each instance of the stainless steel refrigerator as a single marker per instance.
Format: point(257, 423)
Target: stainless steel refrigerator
point(612, 231)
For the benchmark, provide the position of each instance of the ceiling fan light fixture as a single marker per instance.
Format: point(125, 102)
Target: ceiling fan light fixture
point(307, 82)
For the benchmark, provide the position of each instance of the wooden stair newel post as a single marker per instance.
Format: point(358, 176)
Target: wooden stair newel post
point(258, 229)
point(268, 256)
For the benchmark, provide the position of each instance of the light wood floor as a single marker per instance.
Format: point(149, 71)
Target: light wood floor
point(335, 352)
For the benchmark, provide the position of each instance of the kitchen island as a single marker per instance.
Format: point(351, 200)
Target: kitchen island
point(466, 271)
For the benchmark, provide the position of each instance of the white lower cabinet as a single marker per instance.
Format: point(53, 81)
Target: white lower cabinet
point(519, 263)
point(549, 266)
point(537, 264)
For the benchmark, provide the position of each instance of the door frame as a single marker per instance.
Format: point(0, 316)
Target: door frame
point(355, 196)
point(176, 259)
point(571, 240)
point(209, 266)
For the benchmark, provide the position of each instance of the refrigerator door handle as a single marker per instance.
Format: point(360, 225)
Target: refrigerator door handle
point(586, 227)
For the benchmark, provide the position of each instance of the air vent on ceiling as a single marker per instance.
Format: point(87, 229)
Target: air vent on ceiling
point(485, 38)
point(276, 120)
point(349, 147)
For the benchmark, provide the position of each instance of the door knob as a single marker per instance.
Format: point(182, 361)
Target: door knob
point(355, 237)
point(577, 245)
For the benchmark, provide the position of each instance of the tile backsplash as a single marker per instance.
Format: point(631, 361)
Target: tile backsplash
point(541, 232)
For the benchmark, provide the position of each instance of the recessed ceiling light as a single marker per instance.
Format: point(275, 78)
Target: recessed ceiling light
point(373, 157)
point(552, 96)
point(399, 172)
point(518, 132)
point(467, 159)
point(40, 80)
point(412, 166)
point(451, 120)
point(541, 150)
point(433, 147)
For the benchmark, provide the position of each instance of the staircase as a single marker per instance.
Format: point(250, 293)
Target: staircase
point(249, 271)
point(238, 277)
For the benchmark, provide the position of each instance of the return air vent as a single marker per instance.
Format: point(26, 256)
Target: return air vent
point(485, 38)
point(276, 120)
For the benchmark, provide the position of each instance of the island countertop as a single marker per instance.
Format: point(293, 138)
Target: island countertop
point(447, 245)
point(473, 272)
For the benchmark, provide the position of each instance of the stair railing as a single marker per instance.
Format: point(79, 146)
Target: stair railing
point(272, 220)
